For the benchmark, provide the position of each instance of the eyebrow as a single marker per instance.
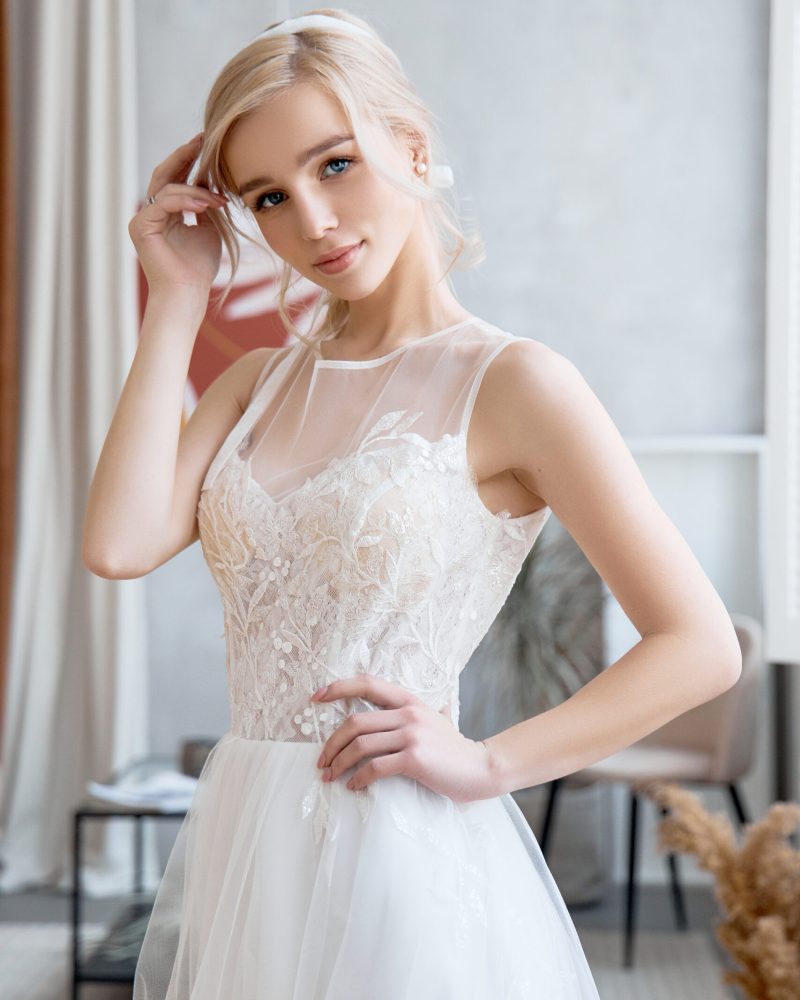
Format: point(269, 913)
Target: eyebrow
point(302, 159)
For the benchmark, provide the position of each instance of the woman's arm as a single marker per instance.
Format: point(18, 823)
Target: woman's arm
point(142, 505)
point(130, 497)
point(551, 429)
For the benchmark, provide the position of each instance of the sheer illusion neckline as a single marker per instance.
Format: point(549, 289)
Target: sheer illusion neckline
point(320, 362)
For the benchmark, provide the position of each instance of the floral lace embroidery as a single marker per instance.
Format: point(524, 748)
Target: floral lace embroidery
point(386, 562)
point(316, 805)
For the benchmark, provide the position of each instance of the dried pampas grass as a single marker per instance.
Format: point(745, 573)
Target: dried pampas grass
point(757, 884)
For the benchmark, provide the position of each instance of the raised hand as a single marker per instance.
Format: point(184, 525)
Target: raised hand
point(174, 254)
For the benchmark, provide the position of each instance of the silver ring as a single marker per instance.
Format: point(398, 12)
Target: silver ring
point(150, 199)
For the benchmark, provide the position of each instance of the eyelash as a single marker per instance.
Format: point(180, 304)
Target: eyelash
point(259, 207)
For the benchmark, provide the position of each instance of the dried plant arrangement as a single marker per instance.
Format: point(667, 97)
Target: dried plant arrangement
point(757, 885)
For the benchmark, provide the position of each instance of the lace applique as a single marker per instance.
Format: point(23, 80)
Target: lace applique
point(316, 804)
point(353, 574)
point(386, 562)
point(471, 880)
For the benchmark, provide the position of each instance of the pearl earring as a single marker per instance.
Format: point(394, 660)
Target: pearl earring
point(440, 174)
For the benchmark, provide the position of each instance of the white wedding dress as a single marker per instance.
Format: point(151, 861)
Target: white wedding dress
point(342, 524)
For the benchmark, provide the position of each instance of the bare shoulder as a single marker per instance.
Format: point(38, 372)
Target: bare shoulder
point(552, 429)
point(525, 391)
point(527, 368)
point(216, 414)
point(219, 408)
point(548, 425)
point(244, 372)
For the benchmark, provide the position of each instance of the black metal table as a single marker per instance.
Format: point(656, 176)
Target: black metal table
point(113, 959)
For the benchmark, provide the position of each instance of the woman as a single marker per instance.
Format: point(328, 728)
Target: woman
point(365, 497)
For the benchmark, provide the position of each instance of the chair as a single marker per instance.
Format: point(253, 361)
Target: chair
point(711, 744)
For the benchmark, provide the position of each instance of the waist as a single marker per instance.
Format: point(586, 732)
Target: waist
point(290, 721)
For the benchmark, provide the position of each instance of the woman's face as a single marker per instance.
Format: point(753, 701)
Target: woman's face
point(307, 208)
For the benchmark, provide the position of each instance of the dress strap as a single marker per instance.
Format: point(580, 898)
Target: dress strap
point(272, 362)
point(277, 365)
point(477, 379)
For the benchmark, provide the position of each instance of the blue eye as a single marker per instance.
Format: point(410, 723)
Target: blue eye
point(261, 206)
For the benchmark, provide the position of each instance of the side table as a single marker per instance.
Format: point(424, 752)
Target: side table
point(113, 959)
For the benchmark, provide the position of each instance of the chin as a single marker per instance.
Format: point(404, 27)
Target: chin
point(353, 287)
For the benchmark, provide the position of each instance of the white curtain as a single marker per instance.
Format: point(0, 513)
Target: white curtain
point(77, 695)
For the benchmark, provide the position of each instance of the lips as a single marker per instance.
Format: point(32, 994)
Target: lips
point(333, 254)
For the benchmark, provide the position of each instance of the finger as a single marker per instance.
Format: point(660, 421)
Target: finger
point(183, 172)
point(365, 745)
point(375, 689)
point(193, 190)
point(183, 198)
point(192, 155)
point(177, 161)
point(357, 725)
point(161, 216)
point(380, 767)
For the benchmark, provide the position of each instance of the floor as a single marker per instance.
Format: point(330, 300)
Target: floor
point(669, 965)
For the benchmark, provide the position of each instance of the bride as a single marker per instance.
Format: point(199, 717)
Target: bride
point(365, 496)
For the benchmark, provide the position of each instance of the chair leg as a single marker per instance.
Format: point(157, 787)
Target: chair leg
point(549, 815)
point(630, 902)
point(678, 904)
point(738, 804)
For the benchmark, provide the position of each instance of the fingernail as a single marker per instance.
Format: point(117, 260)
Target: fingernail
point(321, 760)
point(321, 692)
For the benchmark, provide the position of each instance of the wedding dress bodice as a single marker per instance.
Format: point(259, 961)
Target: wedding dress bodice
point(342, 524)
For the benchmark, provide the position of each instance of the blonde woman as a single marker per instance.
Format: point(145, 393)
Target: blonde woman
point(364, 497)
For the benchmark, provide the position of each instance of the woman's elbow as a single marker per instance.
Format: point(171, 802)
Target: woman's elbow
point(725, 655)
point(110, 569)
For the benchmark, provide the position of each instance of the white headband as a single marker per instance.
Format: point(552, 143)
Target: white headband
point(314, 21)
point(439, 175)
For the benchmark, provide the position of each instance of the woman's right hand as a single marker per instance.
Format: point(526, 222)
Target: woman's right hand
point(173, 254)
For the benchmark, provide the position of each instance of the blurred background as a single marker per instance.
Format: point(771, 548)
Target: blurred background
point(632, 168)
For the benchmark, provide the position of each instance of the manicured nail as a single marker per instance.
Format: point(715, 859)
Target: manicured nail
point(320, 693)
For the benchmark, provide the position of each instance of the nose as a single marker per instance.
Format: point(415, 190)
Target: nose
point(315, 215)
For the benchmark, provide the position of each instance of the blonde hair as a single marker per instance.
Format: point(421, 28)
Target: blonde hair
point(368, 81)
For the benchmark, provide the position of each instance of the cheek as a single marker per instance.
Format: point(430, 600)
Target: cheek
point(381, 193)
point(385, 209)
point(277, 238)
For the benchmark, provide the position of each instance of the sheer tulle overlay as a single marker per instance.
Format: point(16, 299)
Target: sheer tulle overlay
point(342, 524)
point(430, 899)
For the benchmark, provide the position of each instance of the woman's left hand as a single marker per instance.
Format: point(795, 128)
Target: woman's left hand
point(413, 739)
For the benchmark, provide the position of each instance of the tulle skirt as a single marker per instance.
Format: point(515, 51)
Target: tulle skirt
point(422, 899)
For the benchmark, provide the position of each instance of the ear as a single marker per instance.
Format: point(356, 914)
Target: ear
point(416, 145)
